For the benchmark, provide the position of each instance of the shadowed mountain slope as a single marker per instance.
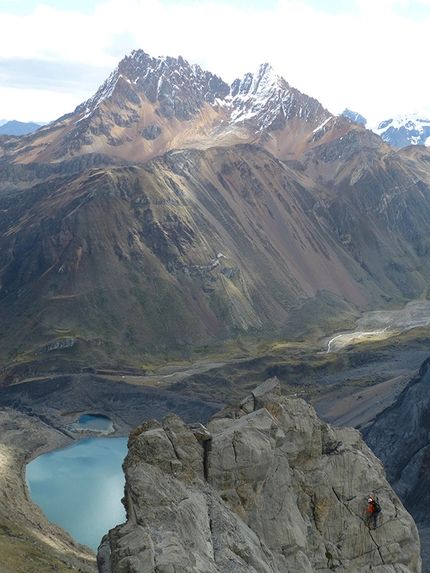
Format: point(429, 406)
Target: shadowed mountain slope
point(188, 247)
point(197, 246)
point(399, 436)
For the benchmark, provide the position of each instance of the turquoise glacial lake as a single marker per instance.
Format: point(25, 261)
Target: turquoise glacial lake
point(80, 487)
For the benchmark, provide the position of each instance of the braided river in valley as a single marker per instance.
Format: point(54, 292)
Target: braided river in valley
point(383, 324)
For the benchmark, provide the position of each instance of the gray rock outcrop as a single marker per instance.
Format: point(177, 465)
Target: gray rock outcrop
point(400, 437)
point(266, 487)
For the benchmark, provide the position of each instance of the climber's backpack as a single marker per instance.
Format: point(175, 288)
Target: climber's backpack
point(376, 506)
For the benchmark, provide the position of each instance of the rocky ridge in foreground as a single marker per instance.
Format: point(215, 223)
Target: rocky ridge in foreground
point(266, 487)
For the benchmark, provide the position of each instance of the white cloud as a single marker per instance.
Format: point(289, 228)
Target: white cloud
point(36, 105)
point(369, 61)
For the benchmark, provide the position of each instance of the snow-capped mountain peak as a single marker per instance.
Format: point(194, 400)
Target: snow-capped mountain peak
point(404, 130)
point(260, 84)
point(149, 104)
point(105, 90)
point(179, 87)
point(267, 100)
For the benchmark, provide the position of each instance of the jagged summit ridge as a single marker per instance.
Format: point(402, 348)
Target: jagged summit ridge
point(179, 87)
point(182, 89)
point(104, 91)
point(151, 105)
point(269, 100)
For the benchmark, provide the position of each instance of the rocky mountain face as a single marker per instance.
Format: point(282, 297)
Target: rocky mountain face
point(404, 130)
point(400, 438)
point(171, 209)
point(151, 105)
point(265, 487)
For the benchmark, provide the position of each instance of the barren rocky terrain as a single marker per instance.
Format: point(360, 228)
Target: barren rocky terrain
point(265, 487)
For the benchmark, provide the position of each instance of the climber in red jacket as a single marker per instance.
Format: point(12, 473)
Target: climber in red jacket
point(374, 510)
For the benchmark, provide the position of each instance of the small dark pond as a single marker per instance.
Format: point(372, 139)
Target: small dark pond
point(93, 423)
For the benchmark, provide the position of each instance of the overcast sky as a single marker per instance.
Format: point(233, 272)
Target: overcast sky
point(367, 55)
